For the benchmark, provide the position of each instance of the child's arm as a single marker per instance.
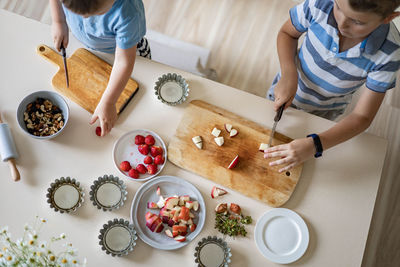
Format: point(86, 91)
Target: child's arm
point(357, 121)
point(59, 27)
point(106, 111)
point(287, 41)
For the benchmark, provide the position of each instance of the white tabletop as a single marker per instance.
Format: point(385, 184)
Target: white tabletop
point(335, 194)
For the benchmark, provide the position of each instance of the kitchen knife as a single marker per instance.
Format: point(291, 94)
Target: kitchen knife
point(65, 64)
point(8, 151)
point(276, 119)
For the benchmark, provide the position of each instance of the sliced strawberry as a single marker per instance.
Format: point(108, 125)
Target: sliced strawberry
point(184, 214)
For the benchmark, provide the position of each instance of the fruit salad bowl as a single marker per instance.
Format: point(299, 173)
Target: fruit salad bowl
point(139, 155)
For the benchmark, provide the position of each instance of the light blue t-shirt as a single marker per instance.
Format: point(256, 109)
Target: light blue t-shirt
point(124, 25)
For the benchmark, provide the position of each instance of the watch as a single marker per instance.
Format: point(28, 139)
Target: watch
point(317, 144)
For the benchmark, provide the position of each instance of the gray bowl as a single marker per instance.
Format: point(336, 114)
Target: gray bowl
point(55, 98)
point(171, 89)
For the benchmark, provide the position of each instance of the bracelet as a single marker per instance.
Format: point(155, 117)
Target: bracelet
point(317, 144)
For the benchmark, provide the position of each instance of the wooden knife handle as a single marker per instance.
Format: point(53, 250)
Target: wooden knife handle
point(14, 171)
point(50, 55)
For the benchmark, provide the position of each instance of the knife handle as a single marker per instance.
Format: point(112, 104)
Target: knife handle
point(279, 112)
point(63, 50)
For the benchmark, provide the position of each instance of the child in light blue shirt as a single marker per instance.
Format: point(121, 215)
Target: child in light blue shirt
point(110, 26)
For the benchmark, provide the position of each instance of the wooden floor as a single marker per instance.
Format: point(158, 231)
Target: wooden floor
point(241, 35)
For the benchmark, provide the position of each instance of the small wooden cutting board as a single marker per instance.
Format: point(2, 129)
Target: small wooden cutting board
point(88, 78)
point(252, 176)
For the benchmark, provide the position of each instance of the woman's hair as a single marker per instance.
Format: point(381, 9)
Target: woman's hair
point(380, 7)
point(83, 7)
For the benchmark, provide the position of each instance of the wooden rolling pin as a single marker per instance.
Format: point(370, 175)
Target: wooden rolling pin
point(8, 150)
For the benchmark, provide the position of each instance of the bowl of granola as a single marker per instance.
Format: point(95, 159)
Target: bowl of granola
point(43, 114)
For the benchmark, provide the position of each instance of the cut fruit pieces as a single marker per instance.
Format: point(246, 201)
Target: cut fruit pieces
point(198, 141)
point(228, 127)
point(219, 140)
point(216, 132)
point(234, 162)
point(263, 147)
point(180, 238)
point(168, 233)
point(233, 133)
point(216, 191)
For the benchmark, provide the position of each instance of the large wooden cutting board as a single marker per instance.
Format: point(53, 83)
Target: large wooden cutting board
point(88, 78)
point(252, 176)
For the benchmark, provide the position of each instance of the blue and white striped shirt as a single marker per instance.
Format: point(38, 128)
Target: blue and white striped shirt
point(327, 77)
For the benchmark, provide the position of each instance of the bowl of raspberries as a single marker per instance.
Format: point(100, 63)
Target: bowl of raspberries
point(140, 155)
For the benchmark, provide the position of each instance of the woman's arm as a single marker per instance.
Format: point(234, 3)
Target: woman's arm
point(356, 122)
point(121, 72)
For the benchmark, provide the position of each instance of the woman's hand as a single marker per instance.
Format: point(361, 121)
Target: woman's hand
point(59, 31)
point(107, 115)
point(291, 154)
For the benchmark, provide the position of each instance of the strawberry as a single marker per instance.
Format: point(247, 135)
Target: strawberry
point(148, 160)
point(133, 173)
point(98, 131)
point(152, 169)
point(125, 166)
point(139, 139)
point(141, 168)
point(156, 150)
point(144, 149)
point(158, 160)
point(149, 140)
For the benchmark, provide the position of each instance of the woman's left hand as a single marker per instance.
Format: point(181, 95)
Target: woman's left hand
point(291, 154)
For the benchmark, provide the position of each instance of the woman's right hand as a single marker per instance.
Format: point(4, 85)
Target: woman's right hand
point(285, 90)
point(59, 31)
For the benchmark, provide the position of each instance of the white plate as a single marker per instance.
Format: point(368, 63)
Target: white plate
point(169, 186)
point(126, 149)
point(281, 235)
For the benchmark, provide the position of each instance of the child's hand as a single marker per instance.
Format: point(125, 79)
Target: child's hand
point(284, 91)
point(107, 115)
point(59, 31)
point(291, 154)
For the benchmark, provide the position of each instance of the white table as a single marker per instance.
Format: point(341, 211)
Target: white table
point(335, 195)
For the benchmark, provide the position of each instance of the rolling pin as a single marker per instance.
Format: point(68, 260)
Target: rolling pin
point(8, 150)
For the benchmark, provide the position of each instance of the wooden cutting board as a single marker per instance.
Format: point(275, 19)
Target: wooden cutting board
point(88, 78)
point(252, 176)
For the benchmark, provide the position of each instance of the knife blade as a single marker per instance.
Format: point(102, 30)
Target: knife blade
point(276, 119)
point(65, 64)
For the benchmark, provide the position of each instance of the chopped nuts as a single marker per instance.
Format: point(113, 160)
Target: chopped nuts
point(42, 118)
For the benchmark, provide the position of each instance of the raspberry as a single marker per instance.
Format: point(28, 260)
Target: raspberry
point(152, 168)
point(133, 173)
point(139, 139)
point(149, 140)
point(98, 131)
point(141, 168)
point(148, 160)
point(158, 160)
point(125, 166)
